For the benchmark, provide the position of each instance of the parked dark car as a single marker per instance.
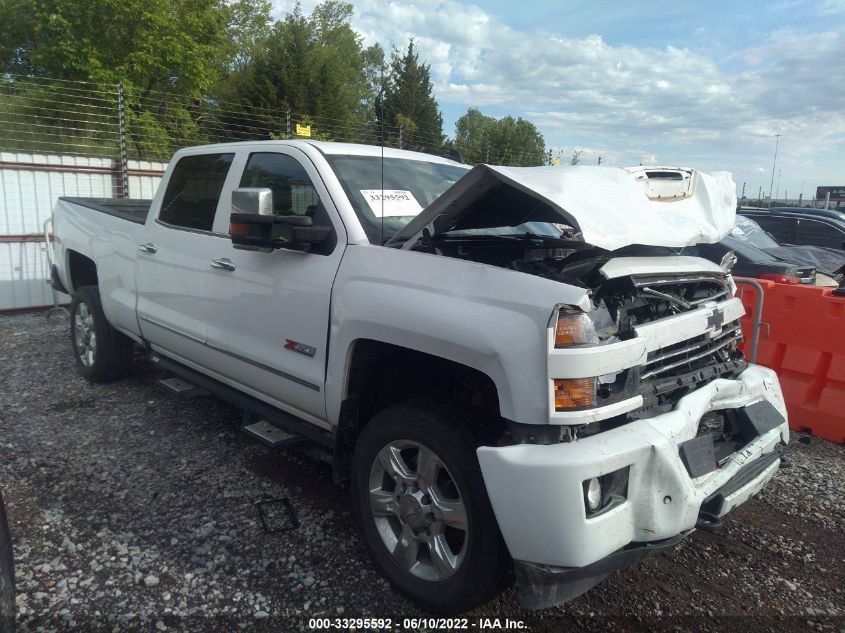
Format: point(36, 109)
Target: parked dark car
point(802, 226)
point(753, 262)
point(829, 261)
point(7, 575)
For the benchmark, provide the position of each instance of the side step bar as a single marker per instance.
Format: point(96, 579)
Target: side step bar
point(181, 388)
point(271, 435)
point(259, 411)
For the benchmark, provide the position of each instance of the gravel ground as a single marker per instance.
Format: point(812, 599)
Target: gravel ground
point(133, 509)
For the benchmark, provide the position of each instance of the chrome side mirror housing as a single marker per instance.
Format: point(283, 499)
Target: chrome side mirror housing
point(253, 200)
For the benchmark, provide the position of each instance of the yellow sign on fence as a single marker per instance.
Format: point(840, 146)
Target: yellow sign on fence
point(555, 162)
point(303, 130)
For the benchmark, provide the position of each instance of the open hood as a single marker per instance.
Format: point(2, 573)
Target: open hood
point(611, 207)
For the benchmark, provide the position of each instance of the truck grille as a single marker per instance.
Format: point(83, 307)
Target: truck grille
point(691, 354)
point(692, 289)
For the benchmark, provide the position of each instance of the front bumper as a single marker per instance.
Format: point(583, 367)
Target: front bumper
point(537, 495)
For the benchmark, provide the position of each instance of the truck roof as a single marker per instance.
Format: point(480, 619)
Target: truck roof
point(328, 148)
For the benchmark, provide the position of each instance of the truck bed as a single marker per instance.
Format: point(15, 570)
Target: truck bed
point(132, 210)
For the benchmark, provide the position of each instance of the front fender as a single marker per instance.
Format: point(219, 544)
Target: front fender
point(491, 319)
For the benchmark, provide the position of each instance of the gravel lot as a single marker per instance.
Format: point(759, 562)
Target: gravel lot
point(133, 509)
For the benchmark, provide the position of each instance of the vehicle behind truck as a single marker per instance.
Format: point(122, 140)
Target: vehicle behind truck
point(512, 368)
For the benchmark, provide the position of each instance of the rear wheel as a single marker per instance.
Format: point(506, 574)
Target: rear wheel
point(423, 508)
point(102, 353)
point(7, 575)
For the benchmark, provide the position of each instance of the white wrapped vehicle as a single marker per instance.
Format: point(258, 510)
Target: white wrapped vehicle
point(511, 366)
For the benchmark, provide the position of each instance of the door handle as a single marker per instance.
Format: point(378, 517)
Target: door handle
point(222, 264)
point(149, 247)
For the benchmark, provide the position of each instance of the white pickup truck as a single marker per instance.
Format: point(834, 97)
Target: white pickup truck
point(512, 367)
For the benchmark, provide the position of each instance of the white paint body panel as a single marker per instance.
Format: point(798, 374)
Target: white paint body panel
point(538, 499)
point(607, 204)
point(624, 266)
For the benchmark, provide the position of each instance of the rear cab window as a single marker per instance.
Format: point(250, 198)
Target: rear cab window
point(193, 191)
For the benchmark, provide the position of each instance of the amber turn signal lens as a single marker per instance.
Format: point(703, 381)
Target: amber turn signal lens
point(575, 393)
point(236, 228)
point(571, 330)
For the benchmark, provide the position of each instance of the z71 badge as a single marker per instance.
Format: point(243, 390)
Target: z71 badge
point(300, 347)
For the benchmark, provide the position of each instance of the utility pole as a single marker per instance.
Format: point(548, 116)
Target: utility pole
point(772, 182)
point(742, 197)
point(760, 193)
point(777, 189)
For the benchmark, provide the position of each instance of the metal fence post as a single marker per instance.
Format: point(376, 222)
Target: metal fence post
point(288, 124)
point(401, 137)
point(122, 174)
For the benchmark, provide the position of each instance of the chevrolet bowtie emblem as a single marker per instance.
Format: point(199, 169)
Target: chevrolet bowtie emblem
point(716, 319)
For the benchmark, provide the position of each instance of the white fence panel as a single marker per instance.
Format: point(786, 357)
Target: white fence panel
point(29, 186)
point(23, 276)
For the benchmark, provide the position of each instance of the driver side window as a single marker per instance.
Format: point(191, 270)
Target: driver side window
point(293, 192)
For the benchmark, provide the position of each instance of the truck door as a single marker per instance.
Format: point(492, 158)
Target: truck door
point(174, 254)
point(268, 313)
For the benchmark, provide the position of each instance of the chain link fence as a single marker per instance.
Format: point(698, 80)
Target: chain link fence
point(51, 116)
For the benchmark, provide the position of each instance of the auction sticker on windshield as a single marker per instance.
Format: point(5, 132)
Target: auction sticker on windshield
point(391, 203)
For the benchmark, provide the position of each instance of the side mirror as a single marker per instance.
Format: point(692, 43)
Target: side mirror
point(254, 227)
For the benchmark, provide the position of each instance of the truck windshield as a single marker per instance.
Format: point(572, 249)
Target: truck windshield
point(409, 186)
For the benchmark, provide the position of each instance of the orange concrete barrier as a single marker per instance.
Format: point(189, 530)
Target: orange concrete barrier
point(806, 347)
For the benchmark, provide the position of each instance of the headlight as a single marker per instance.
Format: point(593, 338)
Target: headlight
point(574, 328)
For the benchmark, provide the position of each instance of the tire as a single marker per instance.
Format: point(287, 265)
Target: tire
point(102, 353)
point(7, 575)
point(416, 463)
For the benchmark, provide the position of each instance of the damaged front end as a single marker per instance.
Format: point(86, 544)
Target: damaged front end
point(626, 464)
point(620, 236)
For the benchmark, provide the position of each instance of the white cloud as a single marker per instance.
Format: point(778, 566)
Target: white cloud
point(832, 7)
point(633, 102)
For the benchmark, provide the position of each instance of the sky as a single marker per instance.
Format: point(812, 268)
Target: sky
point(700, 84)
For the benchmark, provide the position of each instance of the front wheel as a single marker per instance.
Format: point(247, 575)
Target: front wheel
point(102, 353)
point(423, 508)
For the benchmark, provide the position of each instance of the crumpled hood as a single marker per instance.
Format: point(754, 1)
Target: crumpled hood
point(612, 207)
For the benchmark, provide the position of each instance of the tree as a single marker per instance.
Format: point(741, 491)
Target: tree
point(480, 138)
point(168, 45)
point(408, 102)
point(168, 54)
point(249, 21)
point(576, 157)
point(312, 65)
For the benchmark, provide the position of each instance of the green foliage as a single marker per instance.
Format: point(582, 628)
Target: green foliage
point(480, 138)
point(200, 71)
point(408, 102)
point(168, 54)
point(576, 157)
point(169, 45)
point(314, 65)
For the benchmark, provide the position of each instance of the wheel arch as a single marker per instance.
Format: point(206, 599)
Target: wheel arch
point(82, 271)
point(377, 376)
